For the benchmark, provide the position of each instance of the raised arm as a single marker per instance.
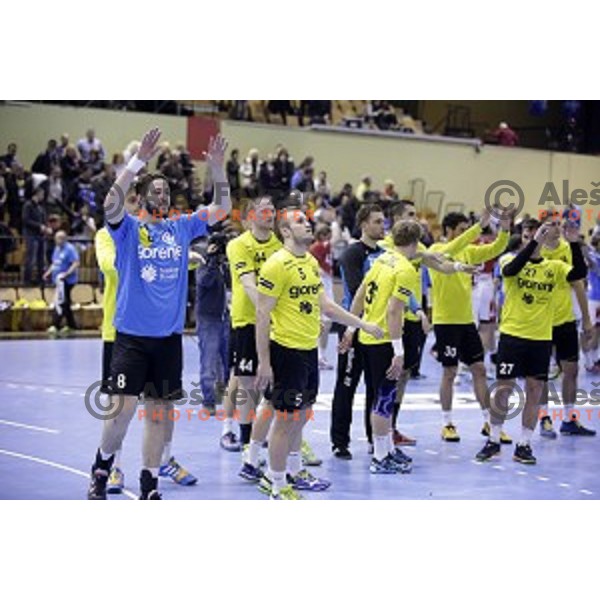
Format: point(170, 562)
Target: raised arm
point(215, 159)
point(114, 203)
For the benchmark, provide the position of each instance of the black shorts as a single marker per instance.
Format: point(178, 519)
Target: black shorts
point(107, 352)
point(566, 341)
point(243, 346)
point(518, 357)
point(412, 340)
point(152, 366)
point(295, 378)
point(458, 342)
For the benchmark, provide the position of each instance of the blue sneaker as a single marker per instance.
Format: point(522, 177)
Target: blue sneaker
point(574, 427)
point(387, 466)
point(250, 473)
point(230, 442)
point(177, 473)
point(404, 465)
point(306, 481)
point(546, 428)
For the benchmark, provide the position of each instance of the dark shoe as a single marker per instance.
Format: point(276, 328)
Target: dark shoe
point(149, 486)
point(342, 453)
point(488, 451)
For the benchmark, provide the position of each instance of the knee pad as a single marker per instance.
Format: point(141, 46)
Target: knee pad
point(384, 404)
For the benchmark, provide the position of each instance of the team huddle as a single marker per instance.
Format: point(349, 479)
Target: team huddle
point(279, 305)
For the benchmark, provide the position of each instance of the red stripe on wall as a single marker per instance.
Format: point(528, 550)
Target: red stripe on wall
point(199, 132)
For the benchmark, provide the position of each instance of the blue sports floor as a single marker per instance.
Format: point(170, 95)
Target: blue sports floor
point(48, 440)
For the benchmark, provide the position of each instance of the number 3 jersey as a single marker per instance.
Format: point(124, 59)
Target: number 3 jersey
point(530, 297)
point(296, 283)
point(392, 275)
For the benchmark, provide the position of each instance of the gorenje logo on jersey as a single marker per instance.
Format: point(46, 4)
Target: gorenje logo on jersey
point(171, 251)
point(535, 285)
point(304, 290)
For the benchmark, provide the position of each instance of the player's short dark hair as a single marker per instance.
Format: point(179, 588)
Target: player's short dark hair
point(405, 233)
point(452, 220)
point(365, 211)
point(252, 203)
point(399, 207)
point(530, 224)
point(143, 183)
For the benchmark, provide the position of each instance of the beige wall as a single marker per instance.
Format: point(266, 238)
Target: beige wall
point(32, 126)
point(461, 172)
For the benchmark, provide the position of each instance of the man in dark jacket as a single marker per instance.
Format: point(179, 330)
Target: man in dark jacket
point(212, 318)
point(34, 230)
point(46, 160)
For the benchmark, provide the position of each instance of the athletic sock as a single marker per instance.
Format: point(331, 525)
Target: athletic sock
point(590, 359)
point(245, 433)
point(294, 463)
point(117, 461)
point(447, 416)
point(381, 449)
point(395, 415)
point(227, 425)
point(486, 415)
point(391, 444)
point(166, 455)
point(278, 481)
point(568, 412)
point(253, 453)
point(495, 433)
point(526, 435)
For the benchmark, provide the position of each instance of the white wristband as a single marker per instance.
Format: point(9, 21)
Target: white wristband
point(398, 347)
point(135, 165)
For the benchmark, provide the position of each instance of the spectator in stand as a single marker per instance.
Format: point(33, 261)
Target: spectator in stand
point(57, 192)
point(384, 115)
point(321, 250)
point(279, 107)
point(172, 170)
point(347, 213)
point(505, 135)
point(87, 144)
point(61, 149)
point(249, 174)
point(10, 158)
point(18, 182)
point(118, 163)
point(63, 271)
point(71, 167)
point(318, 112)
point(83, 192)
point(45, 161)
point(34, 230)
point(266, 176)
point(305, 182)
point(102, 183)
point(322, 186)
point(389, 193)
point(282, 176)
point(233, 173)
point(3, 191)
point(84, 227)
point(300, 172)
point(164, 155)
point(185, 160)
point(364, 187)
point(95, 162)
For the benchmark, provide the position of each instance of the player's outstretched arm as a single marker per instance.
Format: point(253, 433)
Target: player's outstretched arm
point(114, 203)
point(337, 313)
point(215, 159)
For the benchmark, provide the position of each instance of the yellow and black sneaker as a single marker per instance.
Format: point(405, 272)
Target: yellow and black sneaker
point(504, 437)
point(449, 433)
point(524, 455)
point(488, 451)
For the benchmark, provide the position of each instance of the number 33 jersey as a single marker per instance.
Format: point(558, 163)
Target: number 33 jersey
point(530, 297)
point(296, 283)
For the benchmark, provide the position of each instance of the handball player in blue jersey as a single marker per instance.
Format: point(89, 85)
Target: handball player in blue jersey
point(152, 263)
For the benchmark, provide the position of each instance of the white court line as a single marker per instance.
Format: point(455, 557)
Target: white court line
point(12, 385)
point(428, 451)
point(522, 473)
point(30, 387)
point(319, 431)
point(499, 468)
point(564, 485)
point(587, 492)
point(542, 478)
point(49, 463)
point(67, 393)
point(24, 426)
point(455, 456)
point(49, 390)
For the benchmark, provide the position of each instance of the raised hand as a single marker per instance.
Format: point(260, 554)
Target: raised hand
point(149, 146)
point(542, 233)
point(215, 157)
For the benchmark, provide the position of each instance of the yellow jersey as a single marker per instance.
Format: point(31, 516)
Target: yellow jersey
point(105, 256)
point(563, 299)
point(296, 283)
point(392, 275)
point(530, 298)
point(452, 294)
point(246, 254)
point(388, 244)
